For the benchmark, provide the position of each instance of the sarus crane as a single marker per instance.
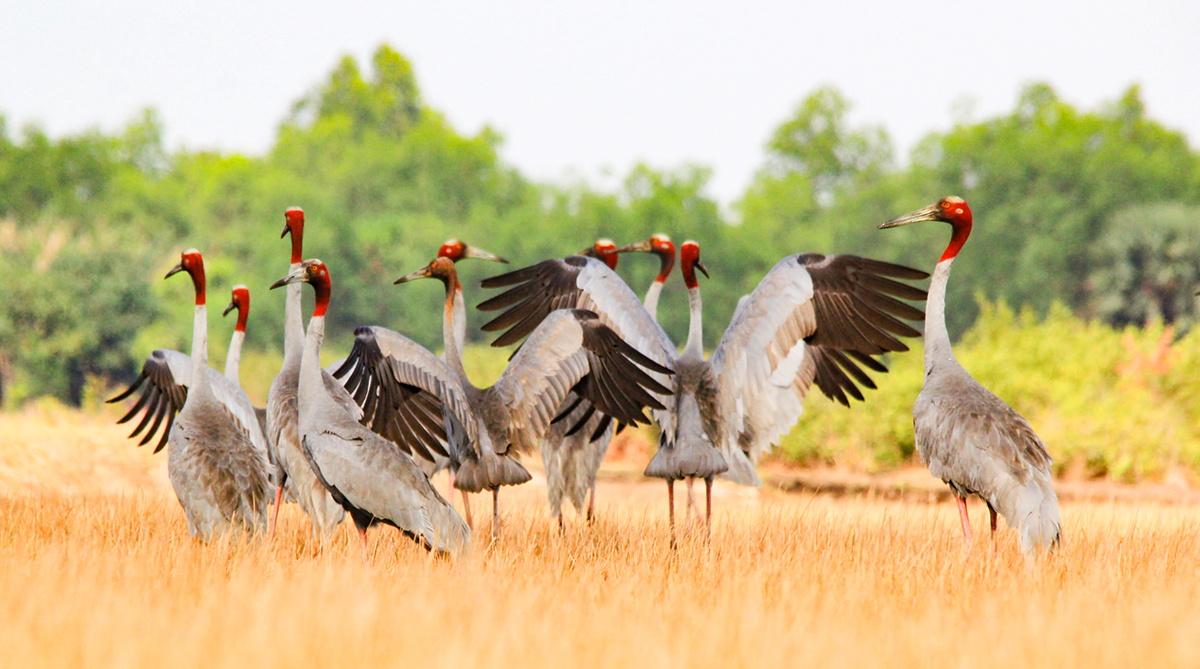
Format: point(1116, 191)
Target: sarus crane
point(372, 479)
point(967, 436)
point(219, 476)
point(813, 318)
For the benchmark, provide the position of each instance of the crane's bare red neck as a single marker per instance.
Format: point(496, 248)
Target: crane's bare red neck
point(194, 265)
point(243, 306)
point(295, 226)
point(318, 276)
point(688, 255)
point(958, 215)
point(666, 259)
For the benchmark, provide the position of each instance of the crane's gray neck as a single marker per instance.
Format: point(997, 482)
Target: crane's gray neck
point(293, 323)
point(234, 358)
point(310, 380)
point(450, 340)
point(937, 339)
point(651, 301)
point(460, 319)
point(200, 348)
point(695, 343)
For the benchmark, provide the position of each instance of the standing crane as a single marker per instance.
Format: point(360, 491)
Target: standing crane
point(967, 436)
point(369, 395)
point(283, 427)
point(486, 427)
point(219, 477)
point(577, 439)
point(812, 319)
point(369, 477)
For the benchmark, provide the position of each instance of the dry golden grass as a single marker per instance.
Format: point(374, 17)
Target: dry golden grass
point(102, 578)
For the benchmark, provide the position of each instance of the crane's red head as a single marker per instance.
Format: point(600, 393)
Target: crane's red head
point(239, 300)
point(312, 272)
point(953, 210)
point(192, 262)
point(456, 250)
point(661, 246)
point(605, 250)
point(689, 262)
point(293, 222)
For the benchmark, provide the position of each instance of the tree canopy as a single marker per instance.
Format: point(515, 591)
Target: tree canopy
point(1092, 209)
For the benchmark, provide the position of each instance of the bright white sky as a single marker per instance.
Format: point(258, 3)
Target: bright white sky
point(588, 88)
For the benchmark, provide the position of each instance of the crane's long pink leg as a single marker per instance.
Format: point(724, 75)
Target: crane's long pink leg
point(966, 523)
point(708, 481)
point(693, 514)
point(275, 515)
point(671, 508)
point(496, 513)
point(467, 509)
point(362, 532)
point(591, 511)
point(993, 513)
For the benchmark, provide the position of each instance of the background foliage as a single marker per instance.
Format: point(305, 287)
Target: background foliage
point(1091, 210)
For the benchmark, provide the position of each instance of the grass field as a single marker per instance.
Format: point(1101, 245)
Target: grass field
point(97, 570)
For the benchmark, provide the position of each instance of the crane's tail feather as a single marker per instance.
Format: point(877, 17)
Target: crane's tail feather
point(741, 469)
point(1033, 511)
point(489, 472)
point(673, 463)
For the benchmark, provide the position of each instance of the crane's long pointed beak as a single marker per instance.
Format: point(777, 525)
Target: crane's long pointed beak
point(643, 247)
point(929, 213)
point(422, 273)
point(299, 274)
point(286, 229)
point(231, 307)
point(700, 266)
point(175, 270)
point(480, 254)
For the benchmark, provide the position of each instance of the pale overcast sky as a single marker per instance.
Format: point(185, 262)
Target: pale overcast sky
point(578, 88)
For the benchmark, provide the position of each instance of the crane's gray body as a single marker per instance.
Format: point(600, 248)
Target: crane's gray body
point(693, 452)
point(366, 474)
point(219, 477)
point(300, 482)
point(977, 443)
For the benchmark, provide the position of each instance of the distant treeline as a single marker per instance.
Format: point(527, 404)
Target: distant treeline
point(1096, 210)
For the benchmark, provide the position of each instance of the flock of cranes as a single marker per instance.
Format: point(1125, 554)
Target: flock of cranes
point(365, 436)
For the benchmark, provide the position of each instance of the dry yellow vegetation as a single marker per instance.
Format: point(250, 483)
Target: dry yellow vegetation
point(101, 576)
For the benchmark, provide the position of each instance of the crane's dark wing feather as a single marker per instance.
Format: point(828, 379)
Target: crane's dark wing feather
point(163, 381)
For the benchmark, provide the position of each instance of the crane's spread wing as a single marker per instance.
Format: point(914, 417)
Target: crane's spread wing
point(579, 282)
point(166, 376)
point(404, 391)
point(812, 319)
point(573, 351)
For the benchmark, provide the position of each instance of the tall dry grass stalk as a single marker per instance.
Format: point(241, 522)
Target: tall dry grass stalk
point(786, 580)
